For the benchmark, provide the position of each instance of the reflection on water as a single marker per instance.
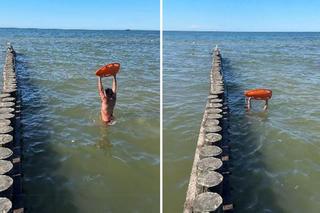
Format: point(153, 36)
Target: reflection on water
point(72, 162)
point(275, 160)
point(260, 116)
point(104, 143)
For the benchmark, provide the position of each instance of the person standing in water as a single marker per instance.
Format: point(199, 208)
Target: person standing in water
point(248, 103)
point(258, 94)
point(108, 100)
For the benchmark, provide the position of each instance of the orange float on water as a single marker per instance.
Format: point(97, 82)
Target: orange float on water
point(259, 94)
point(109, 69)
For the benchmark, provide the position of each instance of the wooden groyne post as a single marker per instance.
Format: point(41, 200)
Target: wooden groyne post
point(208, 189)
point(10, 136)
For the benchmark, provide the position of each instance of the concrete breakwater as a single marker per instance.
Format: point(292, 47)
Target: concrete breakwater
point(11, 199)
point(208, 189)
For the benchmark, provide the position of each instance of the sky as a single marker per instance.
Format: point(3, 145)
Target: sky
point(190, 15)
point(81, 14)
point(242, 15)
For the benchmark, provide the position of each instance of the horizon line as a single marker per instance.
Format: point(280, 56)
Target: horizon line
point(45, 28)
point(243, 31)
point(170, 30)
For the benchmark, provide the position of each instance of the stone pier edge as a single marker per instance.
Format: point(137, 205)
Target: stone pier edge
point(11, 197)
point(217, 91)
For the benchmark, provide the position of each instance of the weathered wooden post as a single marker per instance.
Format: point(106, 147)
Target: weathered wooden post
point(6, 183)
point(210, 151)
point(210, 181)
point(5, 204)
point(5, 153)
point(207, 202)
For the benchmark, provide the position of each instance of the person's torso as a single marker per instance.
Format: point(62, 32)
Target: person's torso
point(107, 106)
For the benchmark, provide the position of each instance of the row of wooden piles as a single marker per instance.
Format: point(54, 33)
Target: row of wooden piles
point(10, 149)
point(208, 189)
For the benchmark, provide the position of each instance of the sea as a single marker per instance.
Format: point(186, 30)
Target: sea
point(72, 162)
point(275, 160)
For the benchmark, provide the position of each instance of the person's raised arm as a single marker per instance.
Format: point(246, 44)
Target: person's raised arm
point(114, 84)
point(100, 88)
point(265, 105)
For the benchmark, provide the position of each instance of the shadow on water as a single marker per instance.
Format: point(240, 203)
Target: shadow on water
point(42, 183)
point(252, 191)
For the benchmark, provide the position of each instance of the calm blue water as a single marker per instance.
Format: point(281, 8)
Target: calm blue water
point(275, 155)
point(72, 162)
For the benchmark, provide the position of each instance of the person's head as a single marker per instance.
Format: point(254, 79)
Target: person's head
point(109, 92)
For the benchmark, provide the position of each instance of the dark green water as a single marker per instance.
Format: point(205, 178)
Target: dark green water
point(73, 163)
point(275, 155)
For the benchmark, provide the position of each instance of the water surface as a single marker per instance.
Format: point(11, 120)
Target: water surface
point(275, 155)
point(72, 162)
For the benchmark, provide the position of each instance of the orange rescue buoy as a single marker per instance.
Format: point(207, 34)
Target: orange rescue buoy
point(259, 94)
point(109, 69)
